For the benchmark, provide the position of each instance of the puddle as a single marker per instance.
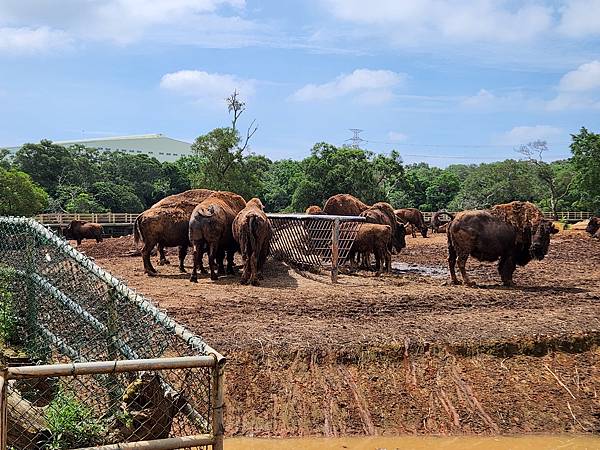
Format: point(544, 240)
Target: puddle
point(538, 442)
point(400, 268)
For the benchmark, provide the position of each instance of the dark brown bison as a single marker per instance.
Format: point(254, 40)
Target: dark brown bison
point(252, 231)
point(438, 223)
point(80, 229)
point(414, 217)
point(314, 210)
point(487, 236)
point(593, 227)
point(344, 205)
point(383, 214)
point(373, 239)
point(166, 224)
point(210, 231)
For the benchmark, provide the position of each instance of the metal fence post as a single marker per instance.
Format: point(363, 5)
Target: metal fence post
point(217, 400)
point(335, 250)
point(3, 409)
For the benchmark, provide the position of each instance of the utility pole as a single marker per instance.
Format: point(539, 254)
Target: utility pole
point(356, 139)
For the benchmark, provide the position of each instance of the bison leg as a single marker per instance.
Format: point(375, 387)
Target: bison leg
point(214, 254)
point(163, 258)
point(230, 265)
point(378, 263)
point(196, 256)
point(253, 260)
point(506, 268)
point(462, 266)
point(452, 263)
point(182, 254)
point(148, 268)
point(388, 262)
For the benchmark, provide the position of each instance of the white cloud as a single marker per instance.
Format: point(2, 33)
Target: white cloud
point(580, 18)
point(209, 22)
point(525, 134)
point(482, 99)
point(25, 40)
point(396, 136)
point(368, 86)
point(453, 19)
point(579, 88)
point(204, 87)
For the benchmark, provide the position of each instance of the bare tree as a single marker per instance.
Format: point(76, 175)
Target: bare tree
point(534, 152)
point(237, 107)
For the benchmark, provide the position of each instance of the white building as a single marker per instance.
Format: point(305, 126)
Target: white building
point(159, 146)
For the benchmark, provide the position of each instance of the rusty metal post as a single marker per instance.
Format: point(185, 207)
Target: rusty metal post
point(335, 250)
point(217, 400)
point(3, 409)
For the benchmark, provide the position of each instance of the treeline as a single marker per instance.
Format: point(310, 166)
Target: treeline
point(49, 177)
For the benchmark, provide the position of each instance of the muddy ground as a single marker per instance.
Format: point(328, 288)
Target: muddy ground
point(400, 353)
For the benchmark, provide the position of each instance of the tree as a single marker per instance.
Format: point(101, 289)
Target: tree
point(586, 161)
point(499, 182)
point(5, 158)
point(19, 195)
point(558, 182)
point(48, 164)
point(280, 182)
point(116, 197)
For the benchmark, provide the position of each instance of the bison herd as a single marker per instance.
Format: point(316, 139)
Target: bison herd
point(222, 223)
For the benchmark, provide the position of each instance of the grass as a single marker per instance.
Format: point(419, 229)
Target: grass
point(72, 423)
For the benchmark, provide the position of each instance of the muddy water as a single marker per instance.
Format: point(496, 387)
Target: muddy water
point(401, 268)
point(419, 443)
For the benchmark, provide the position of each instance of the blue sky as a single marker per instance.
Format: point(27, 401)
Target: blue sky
point(441, 81)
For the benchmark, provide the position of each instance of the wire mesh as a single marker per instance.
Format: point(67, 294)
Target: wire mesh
point(58, 306)
point(307, 241)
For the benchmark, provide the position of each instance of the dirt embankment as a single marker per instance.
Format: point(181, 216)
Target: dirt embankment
point(402, 353)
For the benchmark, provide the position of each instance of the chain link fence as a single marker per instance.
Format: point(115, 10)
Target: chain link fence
point(57, 306)
point(313, 242)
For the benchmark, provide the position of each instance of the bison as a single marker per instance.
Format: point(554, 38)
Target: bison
point(438, 225)
point(414, 217)
point(383, 214)
point(344, 205)
point(314, 210)
point(210, 230)
point(166, 224)
point(80, 229)
point(593, 227)
point(487, 236)
point(376, 239)
point(252, 231)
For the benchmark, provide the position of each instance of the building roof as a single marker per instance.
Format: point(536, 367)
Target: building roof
point(119, 138)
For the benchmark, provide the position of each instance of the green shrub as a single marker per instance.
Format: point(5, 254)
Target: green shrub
point(72, 423)
point(8, 323)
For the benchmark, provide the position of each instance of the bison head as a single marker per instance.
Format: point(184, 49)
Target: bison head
point(540, 241)
point(400, 238)
point(593, 225)
point(424, 231)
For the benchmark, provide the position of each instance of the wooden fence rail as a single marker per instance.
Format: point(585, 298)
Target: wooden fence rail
point(127, 219)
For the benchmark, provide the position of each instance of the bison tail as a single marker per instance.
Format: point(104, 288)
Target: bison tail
point(252, 231)
point(137, 235)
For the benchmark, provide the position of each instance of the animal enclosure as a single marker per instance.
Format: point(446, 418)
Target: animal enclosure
point(129, 373)
point(313, 241)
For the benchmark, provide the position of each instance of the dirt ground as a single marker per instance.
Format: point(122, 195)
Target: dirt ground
point(400, 353)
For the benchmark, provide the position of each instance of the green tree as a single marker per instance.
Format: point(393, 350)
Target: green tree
point(5, 158)
point(116, 197)
point(280, 183)
point(19, 195)
point(499, 182)
point(586, 161)
point(48, 164)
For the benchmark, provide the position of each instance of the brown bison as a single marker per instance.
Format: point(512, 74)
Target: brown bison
point(593, 227)
point(252, 231)
point(383, 214)
point(314, 210)
point(438, 224)
point(376, 239)
point(344, 205)
point(166, 224)
point(489, 236)
point(210, 231)
point(80, 229)
point(414, 217)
